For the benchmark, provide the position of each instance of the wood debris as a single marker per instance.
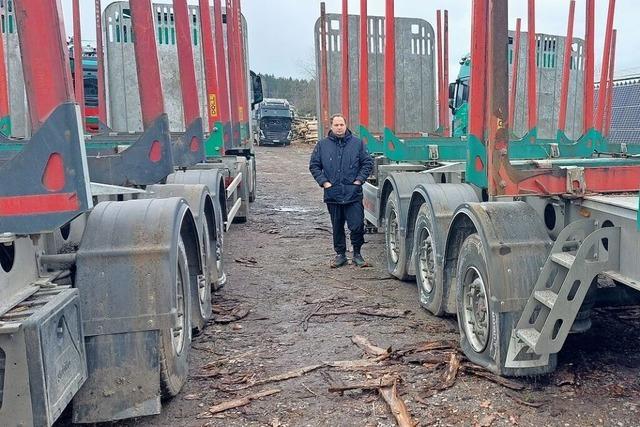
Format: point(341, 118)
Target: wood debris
point(397, 406)
point(366, 385)
point(366, 346)
point(305, 130)
point(242, 401)
point(233, 315)
point(285, 376)
point(377, 312)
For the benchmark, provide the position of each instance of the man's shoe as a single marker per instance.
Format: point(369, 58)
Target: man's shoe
point(358, 260)
point(339, 261)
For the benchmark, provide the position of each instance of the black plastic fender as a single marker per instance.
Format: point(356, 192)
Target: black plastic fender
point(442, 200)
point(516, 246)
point(126, 270)
point(213, 179)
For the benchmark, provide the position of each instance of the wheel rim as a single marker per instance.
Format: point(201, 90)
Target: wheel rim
point(219, 249)
point(202, 284)
point(179, 330)
point(426, 261)
point(394, 237)
point(475, 310)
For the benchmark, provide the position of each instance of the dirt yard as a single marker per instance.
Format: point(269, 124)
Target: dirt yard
point(301, 318)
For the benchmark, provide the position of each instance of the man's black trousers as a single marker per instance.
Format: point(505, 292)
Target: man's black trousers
point(353, 215)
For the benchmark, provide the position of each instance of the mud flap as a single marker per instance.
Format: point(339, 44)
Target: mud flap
point(126, 267)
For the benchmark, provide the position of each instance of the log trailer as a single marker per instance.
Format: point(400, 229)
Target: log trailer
point(519, 238)
point(110, 244)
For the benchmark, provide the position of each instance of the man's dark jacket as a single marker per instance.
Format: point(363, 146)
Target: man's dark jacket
point(341, 161)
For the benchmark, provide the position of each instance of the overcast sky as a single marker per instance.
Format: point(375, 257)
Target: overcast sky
point(281, 31)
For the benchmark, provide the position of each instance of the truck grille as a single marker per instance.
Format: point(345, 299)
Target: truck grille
point(3, 359)
point(271, 135)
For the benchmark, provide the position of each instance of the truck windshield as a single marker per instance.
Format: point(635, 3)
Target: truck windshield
point(272, 112)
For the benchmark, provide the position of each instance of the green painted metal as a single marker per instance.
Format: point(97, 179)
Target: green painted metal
point(5, 125)
point(476, 172)
point(214, 143)
point(374, 144)
point(461, 120)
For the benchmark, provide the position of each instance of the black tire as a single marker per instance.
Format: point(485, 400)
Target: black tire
point(174, 355)
point(219, 248)
point(394, 241)
point(425, 255)
point(484, 330)
point(201, 289)
point(254, 180)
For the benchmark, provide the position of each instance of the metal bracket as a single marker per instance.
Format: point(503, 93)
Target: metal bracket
point(623, 149)
point(575, 181)
point(554, 150)
point(433, 152)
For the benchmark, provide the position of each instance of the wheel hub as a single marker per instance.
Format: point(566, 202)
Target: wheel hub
point(394, 237)
point(475, 310)
point(426, 262)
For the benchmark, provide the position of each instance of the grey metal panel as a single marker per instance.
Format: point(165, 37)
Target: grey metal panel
point(551, 50)
point(415, 73)
point(19, 113)
point(122, 80)
point(625, 107)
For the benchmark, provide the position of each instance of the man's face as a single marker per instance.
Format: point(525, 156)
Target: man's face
point(338, 126)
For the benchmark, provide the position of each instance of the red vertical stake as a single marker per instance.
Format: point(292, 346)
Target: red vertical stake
point(390, 67)
point(221, 64)
point(477, 82)
point(589, 64)
point(364, 65)
point(188, 85)
point(242, 65)
point(514, 74)
point(602, 100)
point(4, 89)
point(232, 51)
point(209, 58)
point(532, 90)
point(344, 39)
point(612, 65)
point(566, 69)
point(45, 58)
point(445, 74)
point(102, 97)
point(77, 58)
point(324, 72)
point(147, 66)
point(440, 68)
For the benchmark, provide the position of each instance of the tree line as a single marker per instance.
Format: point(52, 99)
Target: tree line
point(300, 93)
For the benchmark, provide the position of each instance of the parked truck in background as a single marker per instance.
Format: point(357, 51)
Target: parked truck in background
point(274, 119)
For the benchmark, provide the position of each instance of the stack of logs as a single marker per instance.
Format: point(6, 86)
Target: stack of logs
point(305, 130)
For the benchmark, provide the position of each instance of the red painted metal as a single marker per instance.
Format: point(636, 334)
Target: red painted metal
point(440, 69)
point(209, 57)
point(77, 58)
point(390, 67)
point(589, 61)
point(514, 73)
point(221, 64)
point(604, 74)
point(188, 85)
point(151, 97)
point(234, 70)
point(102, 97)
point(566, 68)
point(612, 65)
point(445, 73)
point(532, 90)
point(4, 89)
point(40, 204)
point(242, 65)
point(364, 64)
point(45, 59)
point(478, 70)
point(344, 39)
point(324, 71)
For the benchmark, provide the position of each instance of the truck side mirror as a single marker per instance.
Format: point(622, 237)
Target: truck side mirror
point(256, 85)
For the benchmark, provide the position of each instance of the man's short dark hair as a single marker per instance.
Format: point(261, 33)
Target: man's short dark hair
point(336, 116)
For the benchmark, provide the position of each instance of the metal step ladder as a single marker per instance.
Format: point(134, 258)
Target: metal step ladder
point(581, 252)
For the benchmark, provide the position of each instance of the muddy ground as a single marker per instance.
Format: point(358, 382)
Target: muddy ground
point(278, 268)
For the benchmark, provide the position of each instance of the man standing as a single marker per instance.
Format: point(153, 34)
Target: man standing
point(340, 164)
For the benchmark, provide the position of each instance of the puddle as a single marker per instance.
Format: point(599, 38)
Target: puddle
point(291, 209)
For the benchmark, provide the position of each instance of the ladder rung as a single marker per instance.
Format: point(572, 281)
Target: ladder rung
point(565, 259)
point(529, 336)
point(547, 298)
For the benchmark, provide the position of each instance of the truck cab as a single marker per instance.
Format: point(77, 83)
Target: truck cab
point(274, 119)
